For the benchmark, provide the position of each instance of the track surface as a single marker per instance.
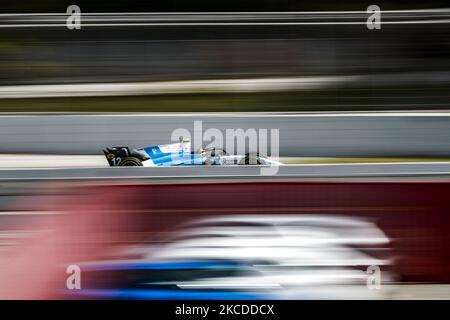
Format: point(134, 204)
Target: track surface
point(291, 171)
point(308, 135)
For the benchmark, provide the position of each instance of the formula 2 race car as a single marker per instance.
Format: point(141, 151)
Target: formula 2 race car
point(179, 154)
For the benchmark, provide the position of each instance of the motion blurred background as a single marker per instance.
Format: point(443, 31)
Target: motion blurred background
point(364, 131)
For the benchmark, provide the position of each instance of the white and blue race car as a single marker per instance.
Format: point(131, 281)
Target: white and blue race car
point(179, 154)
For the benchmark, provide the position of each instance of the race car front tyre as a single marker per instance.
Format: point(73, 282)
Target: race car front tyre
point(131, 162)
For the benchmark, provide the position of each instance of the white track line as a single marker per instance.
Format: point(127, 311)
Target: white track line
point(431, 10)
point(181, 24)
point(202, 18)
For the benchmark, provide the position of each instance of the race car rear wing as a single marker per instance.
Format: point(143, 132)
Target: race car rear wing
point(115, 155)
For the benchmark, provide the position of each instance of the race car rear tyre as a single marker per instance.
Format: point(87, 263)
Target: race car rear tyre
point(131, 162)
point(250, 158)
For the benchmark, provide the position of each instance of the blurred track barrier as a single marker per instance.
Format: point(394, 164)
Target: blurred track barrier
point(98, 222)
